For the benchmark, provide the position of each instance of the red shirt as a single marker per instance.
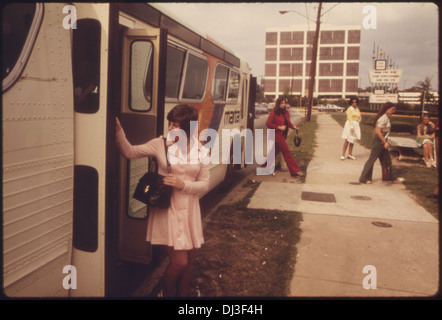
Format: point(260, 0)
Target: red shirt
point(274, 121)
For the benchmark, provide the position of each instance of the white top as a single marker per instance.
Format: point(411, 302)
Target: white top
point(384, 123)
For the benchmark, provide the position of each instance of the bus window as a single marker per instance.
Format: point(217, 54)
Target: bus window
point(141, 65)
point(174, 67)
point(86, 41)
point(220, 83)
point(20, 23)
point(233, 87)
point(196, 77)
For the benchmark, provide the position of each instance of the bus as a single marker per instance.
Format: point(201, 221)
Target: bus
point(69, 70)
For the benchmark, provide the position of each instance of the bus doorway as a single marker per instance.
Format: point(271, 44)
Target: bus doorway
point(141, 103)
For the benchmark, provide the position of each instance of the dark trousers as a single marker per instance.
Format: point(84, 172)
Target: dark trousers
point(377, 152)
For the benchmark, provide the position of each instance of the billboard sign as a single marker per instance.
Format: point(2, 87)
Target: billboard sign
point(385, 76)
point(383, 98)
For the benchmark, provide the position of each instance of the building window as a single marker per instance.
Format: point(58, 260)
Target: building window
point(288, 54)
point(352, 69)
point(353, 53)
point(271, 38)
point(336, 85)
point(270, 70)
point(290, 70)
point(284, 86)
point(331, 69)
point(269, 85)
point(292, 38)
point(351, 85)
point(310, 37)
point(270, 54)
point(331, 53)
point(332, 37)
point(354, 36)
point(290, 86)
point(330, 85)
point(309, 53)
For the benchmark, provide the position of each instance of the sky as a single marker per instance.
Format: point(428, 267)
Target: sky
point(406, 32)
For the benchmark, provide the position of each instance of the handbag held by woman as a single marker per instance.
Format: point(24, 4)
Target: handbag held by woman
point(151, 190)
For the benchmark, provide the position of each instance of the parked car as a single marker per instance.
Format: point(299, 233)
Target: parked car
point(329, 107)
point(260, 108)
point(333, 107)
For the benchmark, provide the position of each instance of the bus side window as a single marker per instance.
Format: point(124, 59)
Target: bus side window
point(19, 24)
point(86, 65)
point(141, 73)
point(196, 77)
point(174, 67)
point(233, 87)
point(220, 83)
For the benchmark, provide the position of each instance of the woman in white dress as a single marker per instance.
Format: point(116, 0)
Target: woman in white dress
point(351, 131)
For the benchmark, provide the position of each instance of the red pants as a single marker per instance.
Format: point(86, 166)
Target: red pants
point(281, 145)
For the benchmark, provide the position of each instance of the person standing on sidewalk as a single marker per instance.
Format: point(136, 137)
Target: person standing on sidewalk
point(279, 119)
point(351, 131)
point(380, 146)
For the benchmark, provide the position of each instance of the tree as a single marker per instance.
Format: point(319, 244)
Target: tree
point(425, 87)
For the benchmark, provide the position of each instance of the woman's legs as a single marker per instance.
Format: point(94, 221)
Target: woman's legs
point(344, 148)
point(385, 160)
point(428, 152)
point(281, 144)
point(350, 149)
point(367, 172)
point(178, 273)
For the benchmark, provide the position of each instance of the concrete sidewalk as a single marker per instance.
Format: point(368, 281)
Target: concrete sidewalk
point(347, 226)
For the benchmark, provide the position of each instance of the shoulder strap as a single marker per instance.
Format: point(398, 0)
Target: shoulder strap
point(167, 159)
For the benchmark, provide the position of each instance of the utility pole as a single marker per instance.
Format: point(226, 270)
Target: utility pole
point(313, 65)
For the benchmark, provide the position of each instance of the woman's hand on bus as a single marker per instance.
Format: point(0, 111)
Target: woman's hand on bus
point(282, 128)
point(118, 125)
point(174, 181)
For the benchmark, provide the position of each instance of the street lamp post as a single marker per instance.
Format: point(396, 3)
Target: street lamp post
point(313, 65)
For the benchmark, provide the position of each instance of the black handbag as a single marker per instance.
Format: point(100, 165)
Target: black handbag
point(151, 190)
point(297, 139)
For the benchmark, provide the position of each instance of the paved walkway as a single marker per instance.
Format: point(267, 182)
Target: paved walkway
point(369, 235)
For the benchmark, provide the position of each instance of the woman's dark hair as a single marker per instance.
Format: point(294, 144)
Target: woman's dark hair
point(183, 114)
point(277, 109)
point(382, 111)
point(350, 102)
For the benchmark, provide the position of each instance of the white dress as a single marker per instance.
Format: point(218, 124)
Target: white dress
point(353, 119)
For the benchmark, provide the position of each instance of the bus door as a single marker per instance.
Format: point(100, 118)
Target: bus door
point(141, 116)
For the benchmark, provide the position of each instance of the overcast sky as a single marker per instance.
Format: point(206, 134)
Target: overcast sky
point(406, 32)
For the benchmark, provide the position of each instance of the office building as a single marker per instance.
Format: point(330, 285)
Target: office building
point(288, 54)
